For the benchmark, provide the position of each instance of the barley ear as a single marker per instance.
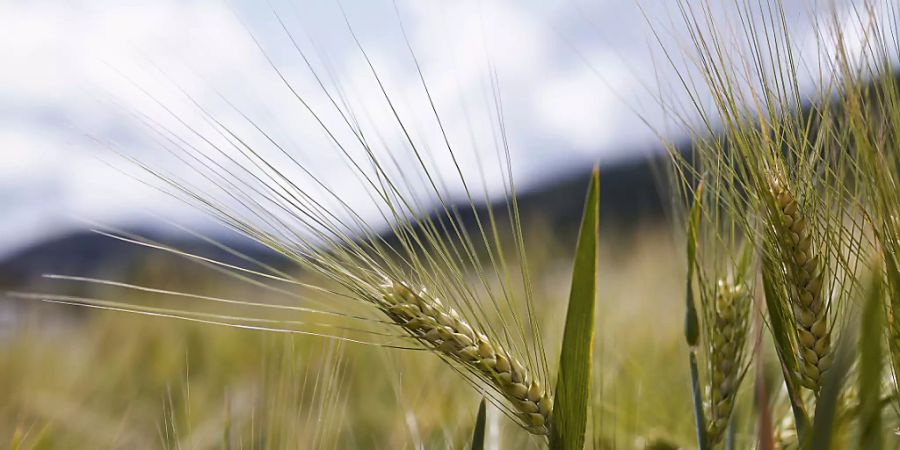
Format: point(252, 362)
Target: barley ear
point(729, 335)
point(569, 419)
point(806, 277)
point(441, 328)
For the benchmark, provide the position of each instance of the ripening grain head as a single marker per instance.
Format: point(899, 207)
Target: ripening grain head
point(419, 265)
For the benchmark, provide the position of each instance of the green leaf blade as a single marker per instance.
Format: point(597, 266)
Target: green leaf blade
point(697, 397)
point(478, 433)
point(870, 362)
point(780, 325)
point(827, 405)
point(691, 322)
point(569, 420)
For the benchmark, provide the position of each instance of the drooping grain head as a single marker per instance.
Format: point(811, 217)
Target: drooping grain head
point(726, 361)
point(441, 328)
point(805, 276)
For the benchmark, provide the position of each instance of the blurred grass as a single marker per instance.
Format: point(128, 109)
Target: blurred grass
point(75, 378)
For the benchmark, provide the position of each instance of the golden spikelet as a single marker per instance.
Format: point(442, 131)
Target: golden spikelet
point(805, 276)
point(440, 327)
point(729, 334)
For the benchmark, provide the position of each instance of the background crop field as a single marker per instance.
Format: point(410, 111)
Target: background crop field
point(75, 378)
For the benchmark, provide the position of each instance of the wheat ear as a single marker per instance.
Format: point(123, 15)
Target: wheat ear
point(726, 354)
point(805, 276)
point(441, 328)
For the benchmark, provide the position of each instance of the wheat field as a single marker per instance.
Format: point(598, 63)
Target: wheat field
point(754, 307)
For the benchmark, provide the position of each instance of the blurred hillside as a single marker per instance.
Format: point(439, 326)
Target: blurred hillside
point(632, 192)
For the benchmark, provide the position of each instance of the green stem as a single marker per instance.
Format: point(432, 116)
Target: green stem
point(801, 418)
point(702, 441)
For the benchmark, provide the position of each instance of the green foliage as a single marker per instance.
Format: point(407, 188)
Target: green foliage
point(793, 187)
point(478, 432)
point(702, 437)
point(16, 441)
point(569, 420)
point(691, 322)
point(779, 326)
point(808, 177)
point(823, 432)
point(870, 362)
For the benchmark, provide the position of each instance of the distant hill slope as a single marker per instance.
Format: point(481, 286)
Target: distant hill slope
point(629, 191)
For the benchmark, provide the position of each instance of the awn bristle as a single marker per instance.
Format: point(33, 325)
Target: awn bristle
point(890, 247)
point(440, 327)
point(894, 338)
point(726, 353)
point(805, 276)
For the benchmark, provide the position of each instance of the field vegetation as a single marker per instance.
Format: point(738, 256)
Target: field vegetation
point(761, 313)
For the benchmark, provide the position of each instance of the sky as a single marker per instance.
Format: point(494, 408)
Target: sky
point(579, 82)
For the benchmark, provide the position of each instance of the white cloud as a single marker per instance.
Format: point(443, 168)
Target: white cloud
point(66, 91)
point(574, 108)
